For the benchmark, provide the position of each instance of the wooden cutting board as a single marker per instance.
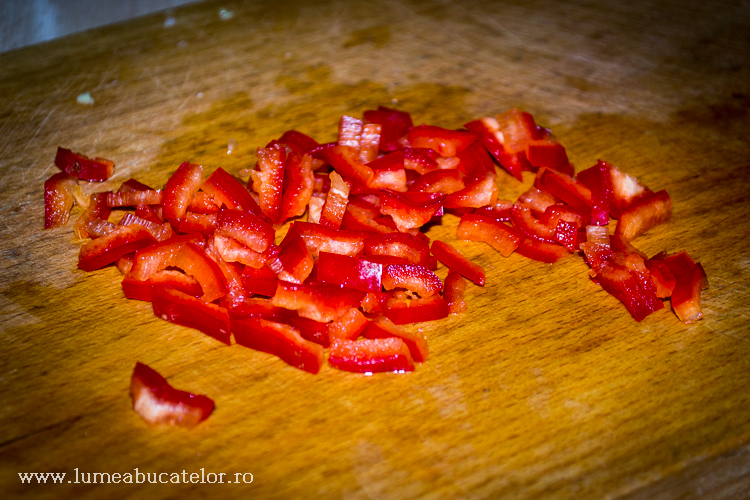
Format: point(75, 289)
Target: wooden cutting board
point(544, 388)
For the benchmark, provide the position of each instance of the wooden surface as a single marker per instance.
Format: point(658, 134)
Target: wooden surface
point(544, 388)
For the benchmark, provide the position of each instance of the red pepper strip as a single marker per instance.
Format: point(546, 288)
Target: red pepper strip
point(445, 142)
point(204, 224)
point(135, 197)
point(185, 310)
point(358, 218)
point(395, 124)
point(517, 128)
point(486, 131)
point(281, 340)
point(410, 210)
point(677, 263)
point(229, 192)
point(625, 190)
point(97, 209)
point(567, 234)
point(83, 167)
point(417, 310)
point(157, 402)
point(58, 199)
point(143, 290)
point(548, 153)
point(298, 142)
point(481, 192)
point(204, 203)
point(455, 286)
point(369, 145)
point(319, 238)
point(336, 201)
point(246, 228)
point(371, 356)
point(663, 278)
point(348, 326)
point(475, 157)
point(345, 160)
point(298, 185)
point(420, 160)
point(395, 244)
point(268, 180)
point(502, 237)
point(350, 131)
point(313, 331)
point(439, 181)
point(180, 188)
point(620, 282)
point(148, 212)
point(195, 262)
point(107, 249)
point(262, 281)
point(599, 180)
point(567, 189)
point(391, 161)
point(383, 328)
point(351, 272)
point(389, 178)
point(596, 248)
point(160, 231)
point(686, 297)
point(316, 301)
point(413, 277)
point(541, 250)
point(133, 185)
point(453, 259)
point(236, 295)
point(500, 210)
point(294, 263)
point(646, 212)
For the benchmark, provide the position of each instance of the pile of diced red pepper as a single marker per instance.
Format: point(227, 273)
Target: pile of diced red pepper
point(344, 278)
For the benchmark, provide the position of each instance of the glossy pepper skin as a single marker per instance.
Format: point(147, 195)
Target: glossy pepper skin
point(182, 309)
point(83, 167)
point(371, 355)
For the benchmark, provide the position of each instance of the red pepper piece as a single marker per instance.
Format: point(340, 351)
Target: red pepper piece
point(625, 190)
point(596, 248)
point(185, 310)
point(348, 326)
point(157, 402)
point(599, 180)
point(281, 340)
point(474, 158)
point(229, 192)
point(486, 131)
point(517, 128)
point(58, 199)
point(619, 282)
point(97, 209)
point(132, 198)
point(383, 328)
point(663, 278)
point(455, 286)
point(298, 142)
point(204, 203)
point(268, 180)
point(350, 131)
point(298, 185)
point(500, 210)
point(351, 272)
point(236, 295)
point(262, 281)
point(204, 224)
point(107, 249)
point(160, 231)
point(388, 172)
point(369, 145)
point(410, 210)
point(143, 290)
point(646, 212)
point(360, 218)
point(316, 301)
point(371, 356)
point(421, 160)
point(409, 247)
point(345, 160)
point(567, 189)
point(417, 310)
point(439, 181)
point(246, 228)
point(445, 142)
point(477, 193)
point(548, 153)
point(179, 190)
point(195, 262)
point(454, 260)
point(541, 250)
point(502, 237)
point(83, 167)
point(686, 297)
point(319, 238)
point(413, 277)
point(294, 263)
point(336, 200)
point(148, 212)
point(395, 125)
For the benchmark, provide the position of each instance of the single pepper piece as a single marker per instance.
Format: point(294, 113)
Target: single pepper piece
point(106, 249)
point(157, 402)
point(58, 199)
point(183, 309)
point(83, 167)
point(371, 355)
point(452, 258)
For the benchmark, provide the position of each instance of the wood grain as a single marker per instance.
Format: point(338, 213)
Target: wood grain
point(544, 388)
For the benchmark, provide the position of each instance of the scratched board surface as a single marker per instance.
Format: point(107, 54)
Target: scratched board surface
point(544, 388)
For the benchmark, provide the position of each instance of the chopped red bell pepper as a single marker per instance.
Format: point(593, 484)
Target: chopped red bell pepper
point(371, 355)
point(439, 181)
point(268, 180)
point(417, 310)
point(383, 328)
point(204, 203)
point(281, 340)
point(97, 209)
point(445, 142)
point(83, 167)
point(336, 200)
point(686, 297)
point(541, 250)
point(319, 238)
point(452, 258)
point(567, 189)
point(298, 142)
point(106, 249)
point(294, 262)
point(646, 212)
point(132, 198)
point(298, 185)
point(351, 272)
point(369, 145)
point(599, 180)
point(196, 263)
point(404, 245)
point(455, 286)
point(229, 192)
point(410, 210)
point(317, 301)
point(246, 228)
point(479, 192)
point(622, 284)
point(204, 224)
point(548, 153)
point(157, 402)
point(262, 281)
point(182, 309)
point(396, 124)
point(350, 131)
point(625, 190)
point(58, 199)
point(348, 326)
point(502, 237)
point(500, 210)
point(475, 157)
point(413, 277)
point(160, 231)
point(143, 290)
point(663, 278)
point(421, 160)
point(180, 188)
point(345, 160)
